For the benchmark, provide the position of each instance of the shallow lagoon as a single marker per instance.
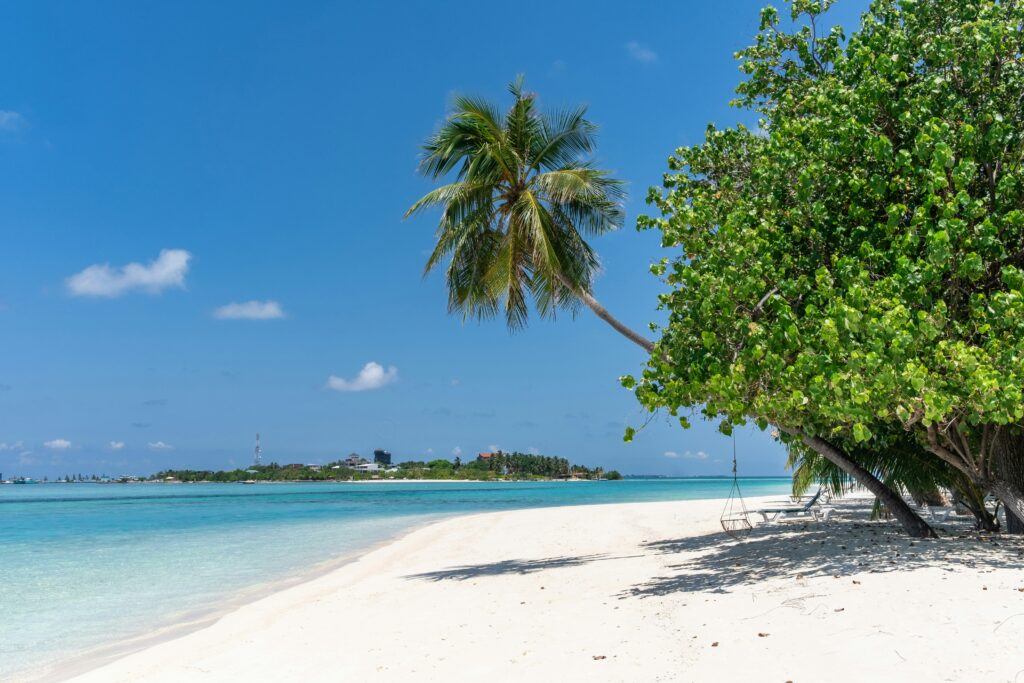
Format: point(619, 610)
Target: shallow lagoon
point(83, 565)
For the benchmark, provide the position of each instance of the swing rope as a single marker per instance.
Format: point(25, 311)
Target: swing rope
point(735, 518)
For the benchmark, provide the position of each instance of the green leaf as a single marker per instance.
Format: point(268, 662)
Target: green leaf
point(861, 433)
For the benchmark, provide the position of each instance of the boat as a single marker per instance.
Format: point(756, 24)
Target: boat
point(25, 480)
point(249, 481)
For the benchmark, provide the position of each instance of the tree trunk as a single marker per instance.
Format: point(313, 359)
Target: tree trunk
point(911, 521)
point(602, 313)
point(1008, 476)
point(1013, 503)
point(1014, 524)
point(971, 496)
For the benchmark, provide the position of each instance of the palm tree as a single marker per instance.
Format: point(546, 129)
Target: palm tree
point(512, 225)
point(513, 220)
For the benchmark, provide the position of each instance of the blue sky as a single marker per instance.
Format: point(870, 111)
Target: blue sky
point(265, 152)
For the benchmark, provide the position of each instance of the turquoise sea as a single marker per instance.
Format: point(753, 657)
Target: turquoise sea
point(86, 565)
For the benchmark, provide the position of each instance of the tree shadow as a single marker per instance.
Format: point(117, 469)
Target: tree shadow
point(472, 571)
point(714, 563)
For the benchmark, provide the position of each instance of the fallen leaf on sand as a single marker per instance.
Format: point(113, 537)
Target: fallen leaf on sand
point(600, 657)
point(839, 609)
point(714, 644)
point(763, 635)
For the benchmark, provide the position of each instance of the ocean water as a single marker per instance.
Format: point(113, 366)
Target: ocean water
point(87, 565)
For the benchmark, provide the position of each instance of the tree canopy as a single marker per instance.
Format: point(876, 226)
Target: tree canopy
point(524, 196)
point(854, 265)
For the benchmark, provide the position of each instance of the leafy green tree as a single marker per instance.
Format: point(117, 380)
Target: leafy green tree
point(513, 221)
point(855, 266)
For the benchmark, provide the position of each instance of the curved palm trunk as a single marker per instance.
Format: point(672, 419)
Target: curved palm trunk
point(602, 313)
point(911, 521)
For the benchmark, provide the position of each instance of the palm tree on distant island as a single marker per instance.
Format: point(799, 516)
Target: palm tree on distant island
point(512, 223)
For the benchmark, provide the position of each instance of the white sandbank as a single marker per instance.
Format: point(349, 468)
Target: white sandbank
point(631, 592)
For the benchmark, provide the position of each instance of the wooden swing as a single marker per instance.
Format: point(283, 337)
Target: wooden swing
point(735, 518)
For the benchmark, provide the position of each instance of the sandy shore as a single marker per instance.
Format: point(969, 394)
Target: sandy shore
point(634, 592)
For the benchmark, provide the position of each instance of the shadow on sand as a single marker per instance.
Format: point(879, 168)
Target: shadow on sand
point(794, 549)
point(713, 563)
point(472, 571)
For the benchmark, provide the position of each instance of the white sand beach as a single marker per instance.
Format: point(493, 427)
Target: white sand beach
point(633, 592)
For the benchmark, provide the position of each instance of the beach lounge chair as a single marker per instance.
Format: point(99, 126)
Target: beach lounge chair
point(940, 514)
point(787, 510)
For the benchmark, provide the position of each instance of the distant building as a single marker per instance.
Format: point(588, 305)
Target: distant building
point(381, 457)
point(368, 467)
point(353, 460)
point(484, 456)
point(313, 466)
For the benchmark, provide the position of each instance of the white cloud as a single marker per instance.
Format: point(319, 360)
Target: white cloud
point(688, 455)
point(430, 451)
point(168, 270)
point(58, 444)
point(4, 446)
point(493, 448)
point(533, 450)
point(372, 376)
point(11, 120)
point(116, 445)
point(641, 53)
point(250, 310)
point(160, 446)
point(25, 458)
point(456, 451)
point(456, 381)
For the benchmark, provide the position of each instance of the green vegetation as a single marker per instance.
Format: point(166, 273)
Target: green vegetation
point(867, 243)
point(500, 466)
point(850, 274)
point(513, 220)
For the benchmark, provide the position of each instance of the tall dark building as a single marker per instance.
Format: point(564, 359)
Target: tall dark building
point(381, 457)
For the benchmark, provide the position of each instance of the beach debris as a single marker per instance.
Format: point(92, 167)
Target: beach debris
point(839, 609)
point(856, 582)
point(596, 657)
point(714, 644)
point(763, 635)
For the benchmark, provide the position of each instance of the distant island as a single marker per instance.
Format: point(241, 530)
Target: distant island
point(494, 466)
